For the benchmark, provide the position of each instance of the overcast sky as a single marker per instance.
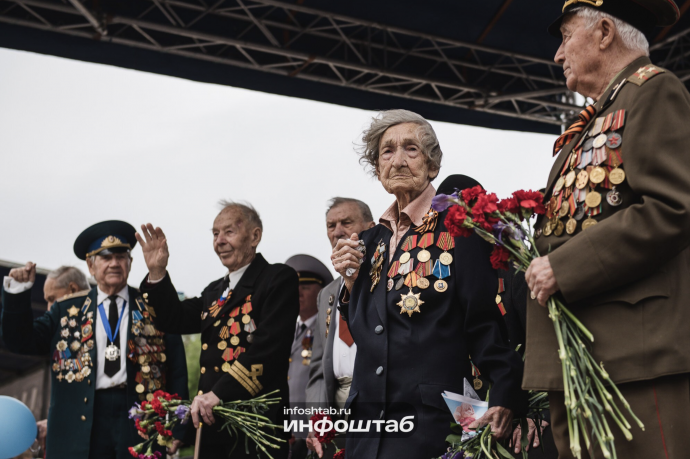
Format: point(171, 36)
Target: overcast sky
point(81, 143)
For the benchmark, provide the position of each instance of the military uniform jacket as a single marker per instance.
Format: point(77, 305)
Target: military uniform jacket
point(404, 363)
point(626, 277)
point(71, 410)
point(322, 384)
point(262, 366)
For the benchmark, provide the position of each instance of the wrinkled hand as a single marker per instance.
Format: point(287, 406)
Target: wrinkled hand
point(42, 427)
point(314, 445)
point(345, 255)
point(203, 406)
point(177, 444)
point(532, 437)
point(500, 419)
point(24, 274)
point(541, 280)
point(155, 249)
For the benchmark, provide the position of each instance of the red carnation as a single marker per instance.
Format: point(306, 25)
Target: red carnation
point(132, 452)
point(499, 258)
point(340, 454)
point(509, 205)
point(137, 424)
point(468, 194)
point(455, 217)
point(532, 201)
point(324, 436)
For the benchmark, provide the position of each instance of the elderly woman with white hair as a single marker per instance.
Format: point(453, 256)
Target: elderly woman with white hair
point(419, 304)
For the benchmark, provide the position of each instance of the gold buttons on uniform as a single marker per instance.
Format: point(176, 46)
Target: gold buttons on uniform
point(88, 381)
point(288, 378)
point(86, 400)
point(204, 346)
point(201, 392)
point(216, 369)
point(83, 418)
point(290, 360)
point(203, 370)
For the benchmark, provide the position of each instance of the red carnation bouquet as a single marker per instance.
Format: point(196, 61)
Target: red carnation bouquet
point(156, 419)
point(325, 435)
point(587, 387)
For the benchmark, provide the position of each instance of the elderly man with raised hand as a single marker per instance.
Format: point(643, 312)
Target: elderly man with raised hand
point(617, 228)
point(418, 305)
point(333, 361)
point(88, 336)
point(246, 320)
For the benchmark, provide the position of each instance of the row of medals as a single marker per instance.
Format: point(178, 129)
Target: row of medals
point(249, 327)
point(409, 302)
point(78, 367)
point(148, 352)
point(608, 146)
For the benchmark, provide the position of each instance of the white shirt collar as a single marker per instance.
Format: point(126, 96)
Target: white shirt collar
point(235, 276)
point(309, 322)
point(102, 296)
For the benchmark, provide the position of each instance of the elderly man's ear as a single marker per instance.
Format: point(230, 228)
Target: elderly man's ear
point(608, 33)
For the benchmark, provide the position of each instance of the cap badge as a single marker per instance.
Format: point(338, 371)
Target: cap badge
point(594, 3)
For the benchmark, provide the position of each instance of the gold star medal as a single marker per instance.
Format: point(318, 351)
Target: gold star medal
point(73, 311)
point(410, 303)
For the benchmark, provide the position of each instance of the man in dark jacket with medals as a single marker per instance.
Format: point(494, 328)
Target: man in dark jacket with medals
point(246, 320)
point(617, 227)
point(418, 305)
point(106, 353)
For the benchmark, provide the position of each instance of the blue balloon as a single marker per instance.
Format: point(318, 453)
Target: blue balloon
point(17, 427)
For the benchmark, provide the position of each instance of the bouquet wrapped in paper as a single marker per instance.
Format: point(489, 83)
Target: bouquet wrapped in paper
point(591, 397)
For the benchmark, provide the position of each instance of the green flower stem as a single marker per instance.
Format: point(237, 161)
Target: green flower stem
point(574, 319)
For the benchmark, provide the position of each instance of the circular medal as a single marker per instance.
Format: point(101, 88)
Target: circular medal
point(588, 223)
point(162, 358)
point(538, 233)
point(400, 283)
point(617, 176)
point(222, 345)
point(145, 369)
point(597, 175)
point(112, 353)
point(446, 258)
point(548, 229)
point(579, 213)
point(305, 353)
point(593, 199)
point(571, 226)
point(231, 321)
point(599, 141)
point(424, 256)
point(570, 179)
point(234, 341)
point(250, 338)
point(149, 397)
point(558, 230)
point(423, 283)
point(389, 284)
point(588, 145)
point(404, 258)
point(614, 199)
point(246, 319)
point(582, 179)
point(565, 208)
point(86, 371)
point(614, 140)
point(225, 367)
point(498, 299)
point(559, 185)
point(216, 323)
point(56, 367)
point(477, 384)
point(440, 286)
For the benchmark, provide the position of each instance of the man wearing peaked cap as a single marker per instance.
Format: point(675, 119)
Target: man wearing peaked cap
point(617, 226)
point(105, 352)
point(313, 276)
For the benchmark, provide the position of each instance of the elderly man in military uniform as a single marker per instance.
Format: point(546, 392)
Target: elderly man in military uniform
point(617, 227)
point(333, 359)
point(313, 276)
point(246, 320)
point(105, 352)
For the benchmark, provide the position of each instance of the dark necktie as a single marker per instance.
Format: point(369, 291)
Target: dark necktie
point(578, 126)
point(111, 367)
point(299, 330)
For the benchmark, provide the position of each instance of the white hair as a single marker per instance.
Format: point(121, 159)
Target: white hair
point(631, 37)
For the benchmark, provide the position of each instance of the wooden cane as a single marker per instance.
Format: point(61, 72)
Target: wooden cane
point(197, 444)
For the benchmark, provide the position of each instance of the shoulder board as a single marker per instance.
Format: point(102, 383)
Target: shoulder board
point(645, 74)
point(74, 295)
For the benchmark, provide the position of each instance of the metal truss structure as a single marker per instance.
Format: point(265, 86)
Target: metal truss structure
point(302, 42)
point(673, 53)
